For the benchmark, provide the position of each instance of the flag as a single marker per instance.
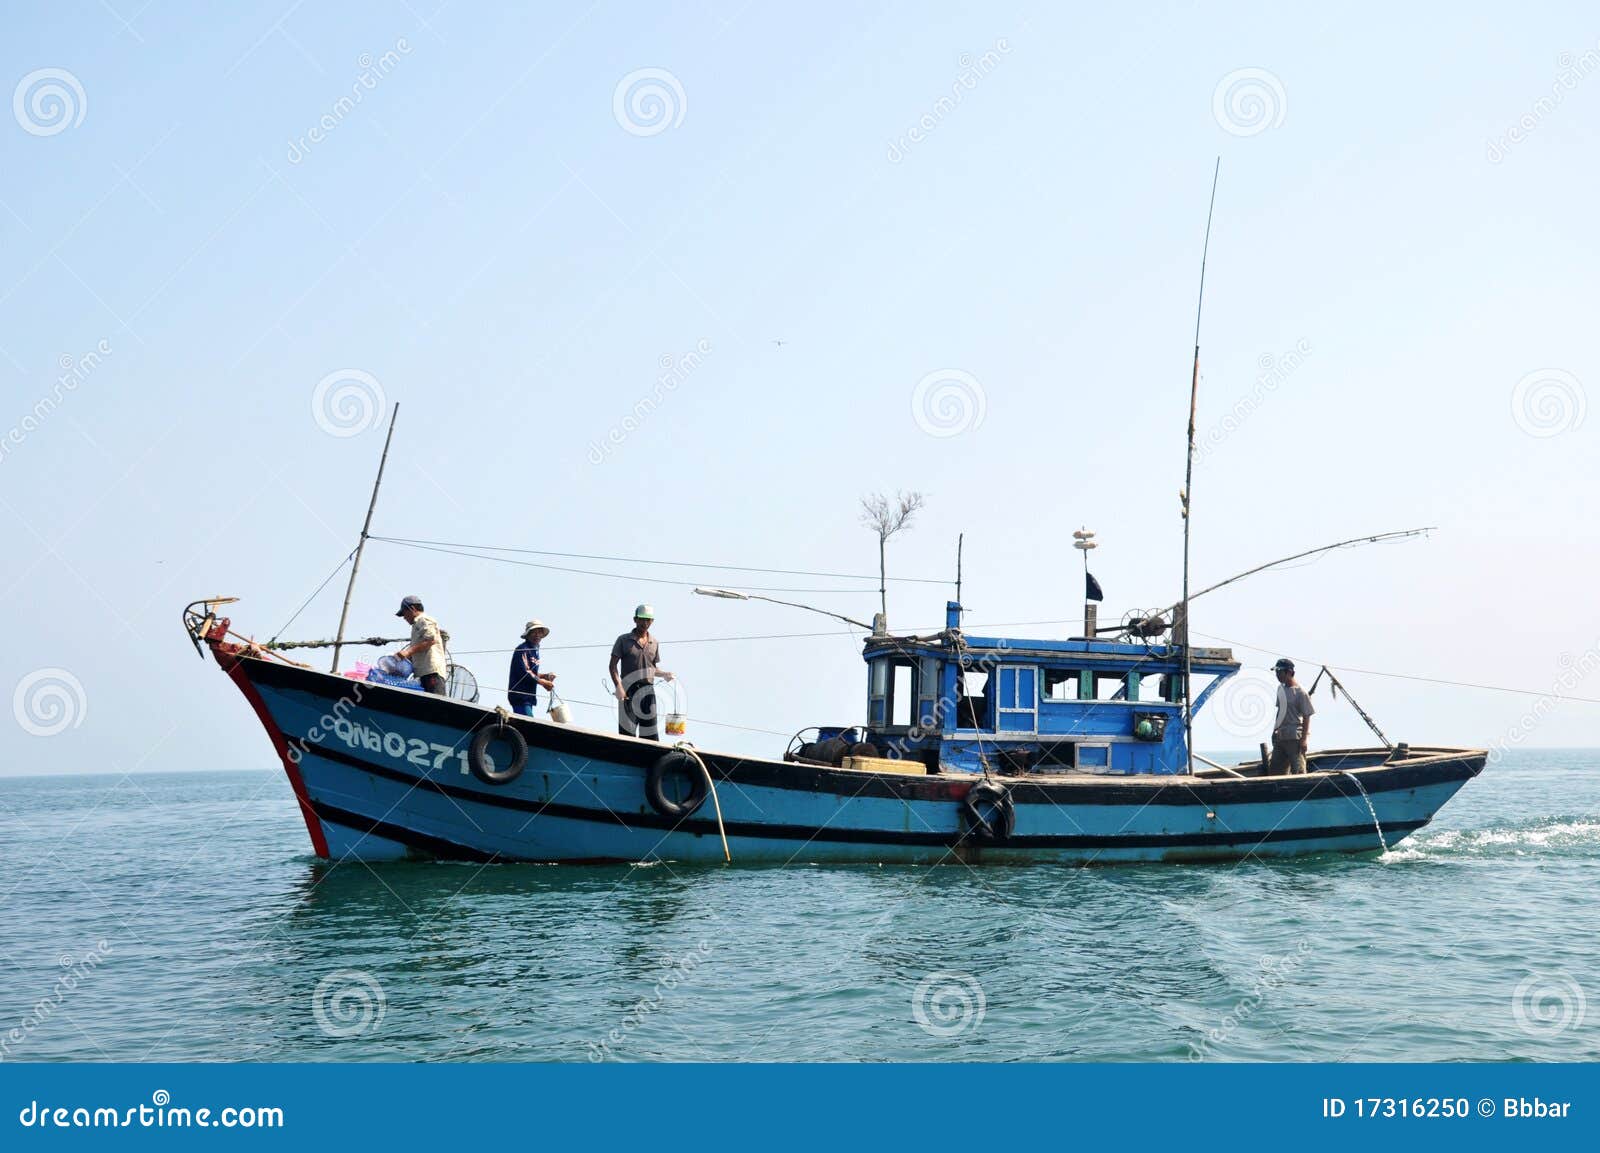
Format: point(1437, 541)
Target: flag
point(1091, 589)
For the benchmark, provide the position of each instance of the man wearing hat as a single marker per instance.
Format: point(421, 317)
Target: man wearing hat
point(426, 650)
point(522, 689)
point(1291, 730)
point(635, 665)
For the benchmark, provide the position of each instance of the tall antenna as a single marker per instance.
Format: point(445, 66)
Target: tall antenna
point(960, 540)
point(1188, 483)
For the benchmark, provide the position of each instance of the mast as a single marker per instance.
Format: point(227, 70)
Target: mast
point(1188, 482)
point(355, 567)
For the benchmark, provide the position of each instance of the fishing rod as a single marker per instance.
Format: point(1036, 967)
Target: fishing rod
point(734, 595)
point(1182, 632)
point(1353, 542)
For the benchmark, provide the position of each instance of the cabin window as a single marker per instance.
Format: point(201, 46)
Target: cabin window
point(972, 699)
point(1059, 684)
point(1116, 686)
point(901, 699)
point(928, 712)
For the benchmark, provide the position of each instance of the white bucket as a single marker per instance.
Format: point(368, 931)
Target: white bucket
point(559, 713)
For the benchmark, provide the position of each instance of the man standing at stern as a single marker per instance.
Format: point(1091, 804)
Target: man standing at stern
point(635, 664)
point(522, 690)
point(426, 650)
point(1291, 730)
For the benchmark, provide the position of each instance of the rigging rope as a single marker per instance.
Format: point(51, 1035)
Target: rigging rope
point(313, 595)
point(1411, 677)
point(643, 560)
point(610, 575)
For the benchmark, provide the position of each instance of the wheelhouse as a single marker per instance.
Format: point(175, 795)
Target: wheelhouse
point(964, 703)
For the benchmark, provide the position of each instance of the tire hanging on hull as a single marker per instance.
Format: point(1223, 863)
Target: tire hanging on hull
point(672, 763)
point(998, 824)
point(478, 754)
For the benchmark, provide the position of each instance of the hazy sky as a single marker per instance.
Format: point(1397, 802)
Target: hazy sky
point(234, 236)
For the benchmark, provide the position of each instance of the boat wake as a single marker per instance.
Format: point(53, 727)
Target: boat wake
point(1564, 837)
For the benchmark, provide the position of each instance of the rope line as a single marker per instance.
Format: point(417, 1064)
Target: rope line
point(1412, 677)
point(644, 560)
point(608, 575)
point(313, 595)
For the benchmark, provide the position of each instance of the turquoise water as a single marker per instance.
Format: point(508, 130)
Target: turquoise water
point(223, 939)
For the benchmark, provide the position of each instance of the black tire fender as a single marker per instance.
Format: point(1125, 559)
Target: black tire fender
point(478, 754)
point(672, 762)
point(1002, 819)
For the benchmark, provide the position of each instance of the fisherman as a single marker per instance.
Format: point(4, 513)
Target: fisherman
point(523, 687)
point(1291, 730)
point(426, 652)
point(635, 664)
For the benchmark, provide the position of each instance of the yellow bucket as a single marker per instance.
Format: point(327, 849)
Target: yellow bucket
point(676, 721)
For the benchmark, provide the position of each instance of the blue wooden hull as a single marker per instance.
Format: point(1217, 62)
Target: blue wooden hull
point(383, 774)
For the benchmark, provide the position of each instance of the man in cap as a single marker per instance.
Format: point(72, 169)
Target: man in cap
point(1291, 729)
point(426, 650)
point(635, 665)
point(522, 690)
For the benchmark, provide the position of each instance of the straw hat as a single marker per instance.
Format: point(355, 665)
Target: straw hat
point(535, 623)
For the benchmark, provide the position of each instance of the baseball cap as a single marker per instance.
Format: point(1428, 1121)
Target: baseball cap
point(409, 603)
point(644, 611)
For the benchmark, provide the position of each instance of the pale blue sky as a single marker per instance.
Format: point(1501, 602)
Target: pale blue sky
point(483, 236)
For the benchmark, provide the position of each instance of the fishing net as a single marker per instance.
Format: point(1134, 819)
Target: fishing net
point(462, 685)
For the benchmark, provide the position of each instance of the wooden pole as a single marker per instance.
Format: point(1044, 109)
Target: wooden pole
point(1188, 482)
point(355, 567)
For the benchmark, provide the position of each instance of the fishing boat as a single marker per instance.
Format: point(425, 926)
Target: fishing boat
point(978, 749)
point(973, 748)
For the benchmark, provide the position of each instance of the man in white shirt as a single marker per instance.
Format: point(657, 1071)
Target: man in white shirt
point(1291, 729)
point(426, 650)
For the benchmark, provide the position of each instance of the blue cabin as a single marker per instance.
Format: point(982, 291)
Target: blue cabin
point(963, 703)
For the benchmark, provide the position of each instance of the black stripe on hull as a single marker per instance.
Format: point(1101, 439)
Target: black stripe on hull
point(1178, 790)
point(775, 832)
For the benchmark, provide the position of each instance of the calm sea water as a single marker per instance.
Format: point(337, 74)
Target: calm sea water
point(172, 917)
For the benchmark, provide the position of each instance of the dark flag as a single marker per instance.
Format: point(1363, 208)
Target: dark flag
point(1091, 589)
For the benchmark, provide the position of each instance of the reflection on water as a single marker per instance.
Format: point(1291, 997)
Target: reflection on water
point(226, 940)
